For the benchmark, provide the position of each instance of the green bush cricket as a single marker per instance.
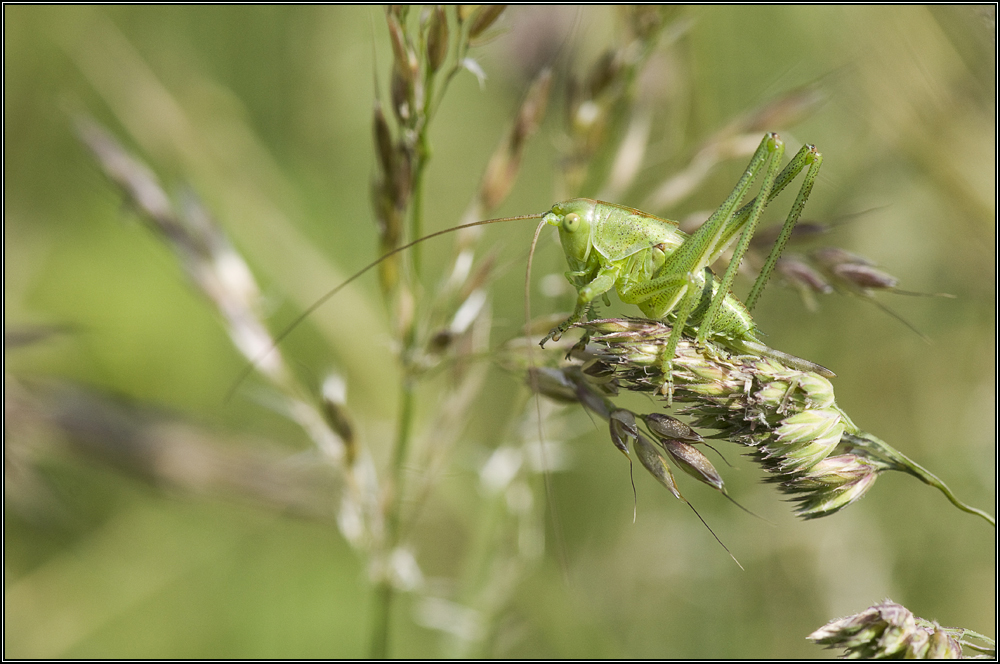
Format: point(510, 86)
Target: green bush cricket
point(652, 264)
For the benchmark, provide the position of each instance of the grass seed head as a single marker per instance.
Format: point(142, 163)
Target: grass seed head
point(889, 631)
point(787, 418)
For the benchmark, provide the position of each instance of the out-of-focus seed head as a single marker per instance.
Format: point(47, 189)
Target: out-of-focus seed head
point(645, 21)
point(389, 223)
point(440, 341)
point(138, 182)
point(552, 383)
point(801, 274)
point(404, 310)
point(852, 271)
point(336, 414)
point(603, 73)
point(503, 167)
point(397, 37)
point(532, 110)
point(865, 276)
point(405, 77)
point(437, 38)
point(598, 371)
point(402, 181)
point(805, 230)
point(595, 403)
point(401, 92)
point(382, 206)
point(501, 171)
point(574, 97)
point(482, 17)
point(383, 142)
point(830, 257)
point(587, 126)
point(631, 152)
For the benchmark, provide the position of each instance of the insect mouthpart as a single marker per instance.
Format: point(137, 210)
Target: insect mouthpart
point(552, 218)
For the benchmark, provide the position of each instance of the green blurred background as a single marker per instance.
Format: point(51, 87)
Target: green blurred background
point(266, 112)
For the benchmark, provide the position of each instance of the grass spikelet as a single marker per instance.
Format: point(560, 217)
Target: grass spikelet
point(889, 631)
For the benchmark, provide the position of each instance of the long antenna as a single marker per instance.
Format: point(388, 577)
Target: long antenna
point(533, 378)
point(329, 294)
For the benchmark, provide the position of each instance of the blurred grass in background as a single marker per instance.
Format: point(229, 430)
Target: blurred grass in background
point(266, 112)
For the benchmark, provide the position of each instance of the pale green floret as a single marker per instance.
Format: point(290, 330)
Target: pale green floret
point(775, 392)
point(833, 472)
point(818, 390)
point(711, 373)
point(807, 426)
point(806, 455)
point(834, 498)
point(803, 389)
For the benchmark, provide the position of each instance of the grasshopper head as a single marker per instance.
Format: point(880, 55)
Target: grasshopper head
point(575, 219)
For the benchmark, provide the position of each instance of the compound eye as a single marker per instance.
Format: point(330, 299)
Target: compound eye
point(571, 221)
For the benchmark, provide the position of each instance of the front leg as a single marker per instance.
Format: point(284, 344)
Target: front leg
point(601, 284)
